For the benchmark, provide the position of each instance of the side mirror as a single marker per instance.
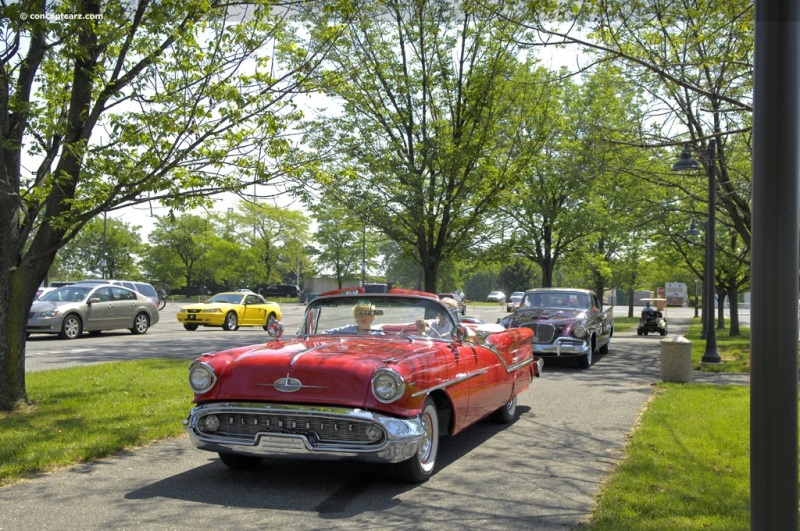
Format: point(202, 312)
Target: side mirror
point(459, 333)
point(275, 329)
point(93, 300)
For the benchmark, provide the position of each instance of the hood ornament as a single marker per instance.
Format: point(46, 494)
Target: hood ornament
point(288, 385)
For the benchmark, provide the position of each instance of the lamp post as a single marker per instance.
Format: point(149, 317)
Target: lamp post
point(686, 162)
point(696, 296)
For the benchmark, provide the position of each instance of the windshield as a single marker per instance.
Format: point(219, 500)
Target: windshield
point(378, 315)
point(68, 294)
point(556, 299)
point(228, 298)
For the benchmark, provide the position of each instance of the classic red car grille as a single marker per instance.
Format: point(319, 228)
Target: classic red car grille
point(543, 333)
point(248, 425)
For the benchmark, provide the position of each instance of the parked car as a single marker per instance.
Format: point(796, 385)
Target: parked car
point(383, 395)
point(496, 296)
point(513, 301)
point(462, 305)
point(43, 290)
point(566, 323)
point(280, 290)
point(305, 298)
point(141, 287)
point(466, 319)
point(230, 310)
point(70, 310)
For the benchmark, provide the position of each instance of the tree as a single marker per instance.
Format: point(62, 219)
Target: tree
point(427, 122)
point(155, 101)
point(178, 246)
point(105, 248)
point(275, 240)
point(694, 59)
point(343, 241)
point(571, 198)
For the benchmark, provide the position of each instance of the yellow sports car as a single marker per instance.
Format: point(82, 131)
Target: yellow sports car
point(230, 311)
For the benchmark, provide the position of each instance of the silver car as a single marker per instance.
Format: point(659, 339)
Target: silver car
point(70, 310)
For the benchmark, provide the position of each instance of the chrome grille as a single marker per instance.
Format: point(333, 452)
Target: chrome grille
point(326, 430)
point(543, 333)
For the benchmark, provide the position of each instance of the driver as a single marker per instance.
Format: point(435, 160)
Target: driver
point(442, 325)
point(363, 313)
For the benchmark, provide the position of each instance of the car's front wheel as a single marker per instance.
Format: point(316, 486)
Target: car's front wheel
point(140, 324)
point(420, 467)
point(71, 327)
point(231, 322)
point(239, 462)
point(585, 361)
point(190, 326)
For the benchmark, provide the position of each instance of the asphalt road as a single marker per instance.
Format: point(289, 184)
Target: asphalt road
point(542, 472)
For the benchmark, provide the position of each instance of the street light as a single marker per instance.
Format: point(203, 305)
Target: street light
point(686, 162)
point(696, 282)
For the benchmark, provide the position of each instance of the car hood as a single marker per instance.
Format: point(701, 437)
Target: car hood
point(40, 306)
point(330, 371)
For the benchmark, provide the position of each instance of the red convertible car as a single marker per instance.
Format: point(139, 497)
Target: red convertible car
point(373, 377)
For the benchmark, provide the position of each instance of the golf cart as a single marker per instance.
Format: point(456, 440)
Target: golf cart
point(652, 319)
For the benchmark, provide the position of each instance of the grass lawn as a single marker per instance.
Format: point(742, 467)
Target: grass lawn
point(687, 465)
point(84, 413)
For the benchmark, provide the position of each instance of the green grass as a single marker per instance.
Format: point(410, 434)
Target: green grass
point(625, 323)
point(687, 465)
point(734, 351)
point(84, 413)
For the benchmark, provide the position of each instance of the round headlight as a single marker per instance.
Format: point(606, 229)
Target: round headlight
point(387, 385)
point(201, 377)
point(579, 331)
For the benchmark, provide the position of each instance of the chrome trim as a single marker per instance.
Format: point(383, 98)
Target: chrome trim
point(457, 379)
point(212, 372)
point(400, 440)
point(563, 346)
point(396, 375)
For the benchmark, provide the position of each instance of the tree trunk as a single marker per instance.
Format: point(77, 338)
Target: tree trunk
point(733, 296)
point(631, 294)
point(430, 271)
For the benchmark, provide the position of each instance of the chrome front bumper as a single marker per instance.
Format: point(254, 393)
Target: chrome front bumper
point(562, 346)
point(285, 431)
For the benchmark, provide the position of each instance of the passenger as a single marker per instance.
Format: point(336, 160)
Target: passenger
point(442, 325)
point(363, 313)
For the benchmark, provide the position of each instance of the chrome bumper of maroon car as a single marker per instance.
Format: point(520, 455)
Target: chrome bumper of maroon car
point(562, 346)
point(294, 431)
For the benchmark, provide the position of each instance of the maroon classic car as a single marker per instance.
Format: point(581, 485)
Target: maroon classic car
point(566, 323)
point(373, 377)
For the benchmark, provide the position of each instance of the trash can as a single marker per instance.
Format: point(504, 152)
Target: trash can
point(676, 359)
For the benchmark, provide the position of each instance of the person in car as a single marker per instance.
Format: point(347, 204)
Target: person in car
point(442, 325)
point(363, 313)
